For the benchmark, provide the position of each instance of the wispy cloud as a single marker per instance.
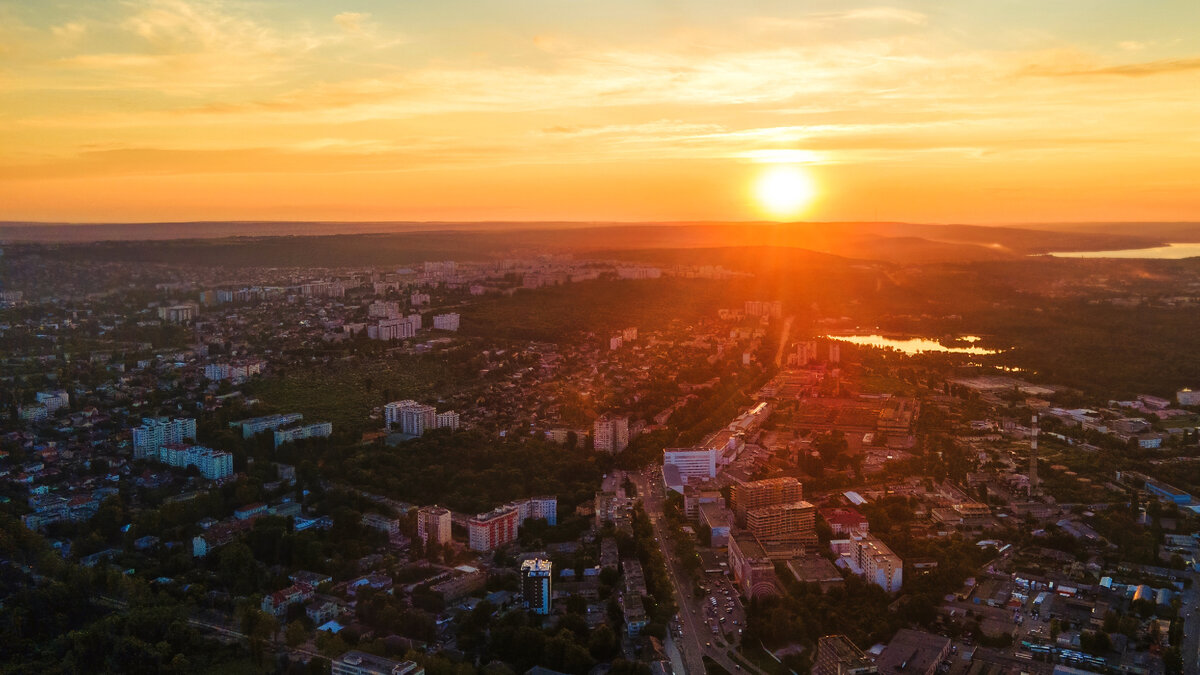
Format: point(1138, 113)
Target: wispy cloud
point(351, 22)
point(884, 14)
point(151, 88)
point(1142, 69)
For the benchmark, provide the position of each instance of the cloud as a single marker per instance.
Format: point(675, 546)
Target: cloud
point(824, 21)
point(181, 47)
point(884, 14)
point(1143, 69)
point(70, 31)
point(655, 128)
point(351, 22)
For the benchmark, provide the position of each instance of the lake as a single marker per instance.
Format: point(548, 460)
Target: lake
point(915, 345)
point(1168, 252)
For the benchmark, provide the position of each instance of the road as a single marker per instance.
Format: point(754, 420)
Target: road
point(1190, 647)
point(697, 640)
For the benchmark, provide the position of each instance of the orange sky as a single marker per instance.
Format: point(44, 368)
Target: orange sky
point(971, 111)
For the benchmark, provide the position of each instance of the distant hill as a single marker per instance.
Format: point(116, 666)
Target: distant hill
point(1179, 233)
point(356, 244)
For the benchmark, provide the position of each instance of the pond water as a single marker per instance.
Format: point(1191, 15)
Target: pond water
point(1168, 252)
point(915, 345)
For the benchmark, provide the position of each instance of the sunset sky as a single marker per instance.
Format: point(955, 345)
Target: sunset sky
point(979, 111)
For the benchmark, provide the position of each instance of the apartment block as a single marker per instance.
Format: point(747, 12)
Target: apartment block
point(880, 565)
point(544, 507)
point(762, 493)
point(53, 400)
point(410, 417)
point(389, 526)
point(536, 576)
point(213, 464)
point(433, 525)
point(391, 329)
point(794, 523)
point(447, 420)
point(610, 433)
point(870, 558)
point(177, 313)
point(489, 531)
point(293, 434)
point(837, 655)
point(156, 432)
point(256, 425)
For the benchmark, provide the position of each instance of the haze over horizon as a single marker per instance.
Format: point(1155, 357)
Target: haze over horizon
point(186, 110)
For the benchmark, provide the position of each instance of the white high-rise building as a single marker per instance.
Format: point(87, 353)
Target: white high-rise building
point(694, 464)
point(53, 400)
point(394, 329)
point(881, 566)
point(433, 524)
point(156, 432)
point(213, 464)
point(410, 417)
point(391, 413)
point(610, 433)
point(866, 555)
point(447, 420)
point(177, 313)
point(544, 507)
point(216, 371)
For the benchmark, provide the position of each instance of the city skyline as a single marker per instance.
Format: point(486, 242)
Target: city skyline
point(183, 109)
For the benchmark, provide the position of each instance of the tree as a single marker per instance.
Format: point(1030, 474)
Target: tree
point(1173, 661)
point(831, 446)
point(296, 634)
point(330, 645)
point(603, 643)
point(258, 627)
point(1096, 643)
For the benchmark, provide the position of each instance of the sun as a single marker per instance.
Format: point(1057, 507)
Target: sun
point(785, 191)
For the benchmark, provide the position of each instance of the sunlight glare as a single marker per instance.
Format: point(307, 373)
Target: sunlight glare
point(785, 191)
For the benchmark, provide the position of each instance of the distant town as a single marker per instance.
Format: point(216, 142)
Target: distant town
point(371, 470)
